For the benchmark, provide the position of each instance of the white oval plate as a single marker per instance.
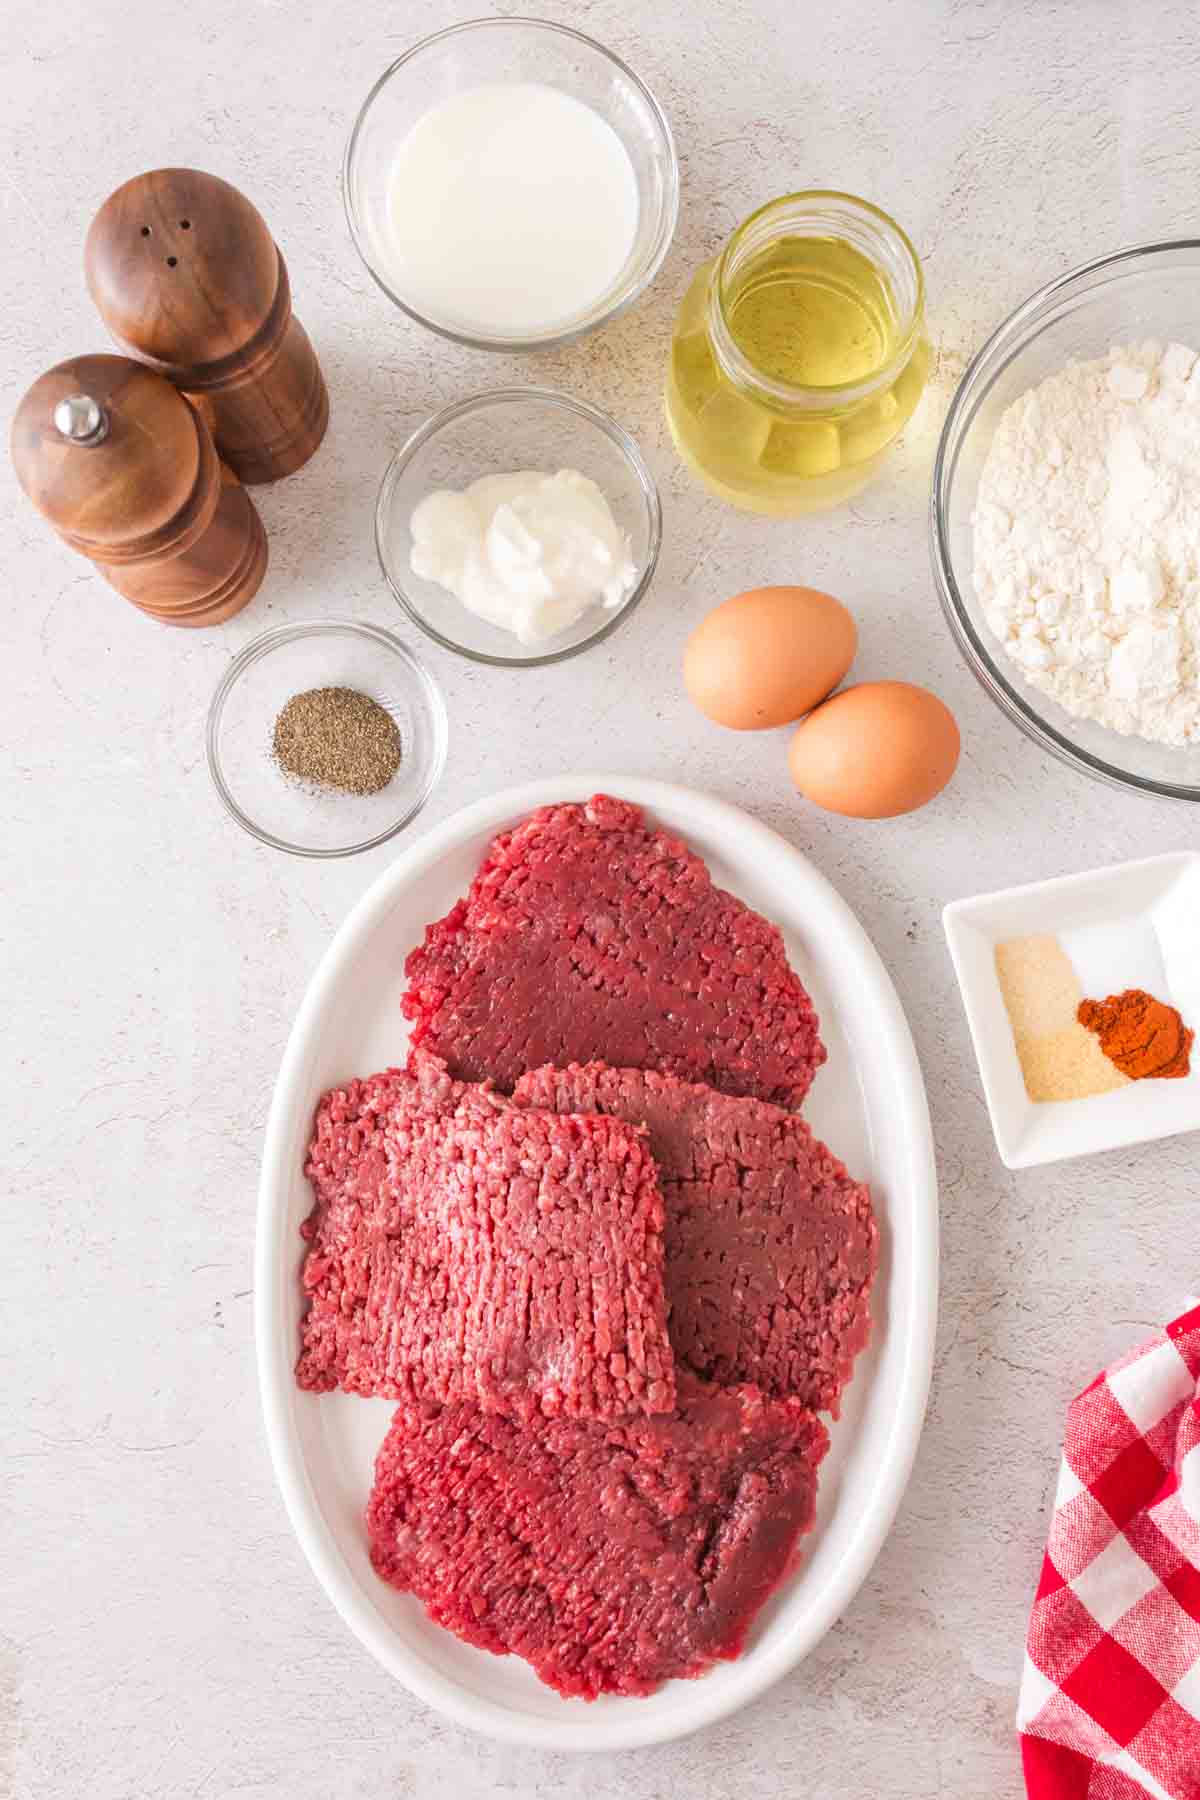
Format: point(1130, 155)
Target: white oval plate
point(868, 1102)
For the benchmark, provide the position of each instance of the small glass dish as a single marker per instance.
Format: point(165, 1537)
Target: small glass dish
point(1145, 292)
point(302, 818)
point(513, 50)
point(490, 434)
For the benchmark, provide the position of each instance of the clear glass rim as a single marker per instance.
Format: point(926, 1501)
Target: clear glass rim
point(984, 369)
point(582, 409)
point(272, 639)
point(616, 301)
point(742, 370)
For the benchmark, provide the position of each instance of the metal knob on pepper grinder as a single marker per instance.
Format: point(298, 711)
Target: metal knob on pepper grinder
point(125, 470)
point(188, 279)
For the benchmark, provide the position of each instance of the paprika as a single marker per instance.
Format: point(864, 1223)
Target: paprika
point(1144, 1037)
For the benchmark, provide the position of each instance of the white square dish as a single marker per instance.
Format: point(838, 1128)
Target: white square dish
point(1133, 925)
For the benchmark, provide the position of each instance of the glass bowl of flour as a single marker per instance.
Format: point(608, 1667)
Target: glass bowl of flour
point(1065, 518)
point(518, 527)
point(511, 184)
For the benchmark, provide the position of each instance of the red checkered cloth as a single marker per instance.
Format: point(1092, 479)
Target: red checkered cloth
point(1110, 1695)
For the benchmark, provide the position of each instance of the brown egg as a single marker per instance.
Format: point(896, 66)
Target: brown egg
point(876, 750)
point(768, 656)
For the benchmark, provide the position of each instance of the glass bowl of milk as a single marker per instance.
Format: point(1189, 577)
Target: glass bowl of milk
point(518, 527)
point(511, 184)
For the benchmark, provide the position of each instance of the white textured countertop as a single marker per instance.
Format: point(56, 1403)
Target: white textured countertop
point(161, 1637)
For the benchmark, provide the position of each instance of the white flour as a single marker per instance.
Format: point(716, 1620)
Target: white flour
point(1087, 539)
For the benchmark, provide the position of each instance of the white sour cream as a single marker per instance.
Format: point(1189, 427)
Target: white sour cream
point(527, 552)
point(512, 210)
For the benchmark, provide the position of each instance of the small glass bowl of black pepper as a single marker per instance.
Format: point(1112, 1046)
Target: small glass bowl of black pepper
point(326, 739)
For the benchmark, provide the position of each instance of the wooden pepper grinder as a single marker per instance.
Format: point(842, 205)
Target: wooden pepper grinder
point(126, 471)
point(188, 279)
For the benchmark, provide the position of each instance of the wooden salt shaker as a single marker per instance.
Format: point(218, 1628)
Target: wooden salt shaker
point(125, 470)
point(189, 280)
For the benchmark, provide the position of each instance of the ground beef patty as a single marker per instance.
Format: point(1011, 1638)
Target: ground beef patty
point(586, 935)
point(771, 1246)
point(462, 1249)
point(611, 1557)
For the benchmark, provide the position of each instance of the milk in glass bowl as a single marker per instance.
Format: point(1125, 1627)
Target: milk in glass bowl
point(511, 184)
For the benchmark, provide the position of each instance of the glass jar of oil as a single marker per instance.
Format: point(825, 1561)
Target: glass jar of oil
point(798, 354)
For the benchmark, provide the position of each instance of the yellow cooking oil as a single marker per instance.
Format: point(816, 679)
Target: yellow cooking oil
point(814, 312)
point(795, 361)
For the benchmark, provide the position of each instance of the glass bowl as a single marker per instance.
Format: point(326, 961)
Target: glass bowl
point(497, 50)
point(490, 434)
point(304, 819)
point(1145, 292)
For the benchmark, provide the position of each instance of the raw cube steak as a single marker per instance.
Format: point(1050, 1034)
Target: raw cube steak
point(610, 1557)
point(461, 1249)
point(771, 1247)
point(588, 936)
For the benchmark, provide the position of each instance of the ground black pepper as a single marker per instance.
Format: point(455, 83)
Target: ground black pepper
point(339, 738)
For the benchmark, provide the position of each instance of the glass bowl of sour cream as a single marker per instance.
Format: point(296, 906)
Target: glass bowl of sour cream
point(511, 184)
point(519, 526)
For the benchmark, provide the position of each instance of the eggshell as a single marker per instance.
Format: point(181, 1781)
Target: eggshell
point(876, 750)
point(768, 656)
